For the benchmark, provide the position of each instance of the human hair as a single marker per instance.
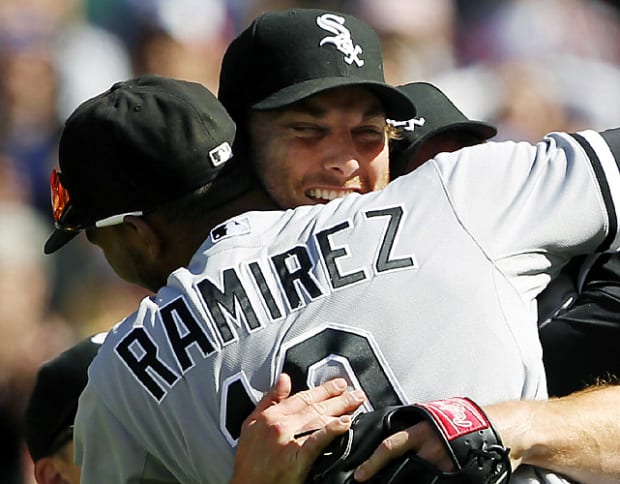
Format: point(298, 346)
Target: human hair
point(393, 133)
point(188, 209)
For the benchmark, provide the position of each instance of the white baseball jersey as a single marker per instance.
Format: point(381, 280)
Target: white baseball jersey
point(424, 290)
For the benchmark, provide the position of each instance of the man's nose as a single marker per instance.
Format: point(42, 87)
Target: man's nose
point(343, 159)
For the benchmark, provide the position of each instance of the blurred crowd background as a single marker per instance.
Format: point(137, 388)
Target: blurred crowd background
point(529, 66)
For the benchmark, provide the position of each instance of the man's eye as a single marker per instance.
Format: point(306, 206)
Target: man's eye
point(306, 130)
point(370, 133)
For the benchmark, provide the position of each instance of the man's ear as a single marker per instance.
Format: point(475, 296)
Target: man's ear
point(47, 471)
point(145, 235)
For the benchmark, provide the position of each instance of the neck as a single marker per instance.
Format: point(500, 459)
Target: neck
point(182, 242)
point(254, 199)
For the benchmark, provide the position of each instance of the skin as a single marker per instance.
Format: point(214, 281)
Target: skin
point(272, 426)
point(58, 468)
point(447, 141)
point(572, 435)
point(556, 448)
point(144, 250)
point(569, 435)
point(138, 249)
point(276, 419)
point(325, 147)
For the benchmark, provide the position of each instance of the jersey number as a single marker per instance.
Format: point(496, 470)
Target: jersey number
point(331, 352)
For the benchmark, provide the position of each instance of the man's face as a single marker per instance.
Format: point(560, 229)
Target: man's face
point(322, 148)
point(125, 256)
point(58, 467)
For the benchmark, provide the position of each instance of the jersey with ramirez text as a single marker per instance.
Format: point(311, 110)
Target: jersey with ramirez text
point(424, 290)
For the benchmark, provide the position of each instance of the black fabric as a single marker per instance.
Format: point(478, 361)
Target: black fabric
point(605, 189)
point(612, 137)
point(285, 56)
point(53, 404)
point(479, 455)
point(141, 143)
point(436, 113)
point(580, 344)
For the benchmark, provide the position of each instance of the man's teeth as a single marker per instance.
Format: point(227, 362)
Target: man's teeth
point(324, 194)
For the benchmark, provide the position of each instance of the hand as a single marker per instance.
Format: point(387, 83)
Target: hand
point(268, 450)
point(421, 438)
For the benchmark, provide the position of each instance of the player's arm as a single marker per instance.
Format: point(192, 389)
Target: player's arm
point(576, 436)
point(273, 448)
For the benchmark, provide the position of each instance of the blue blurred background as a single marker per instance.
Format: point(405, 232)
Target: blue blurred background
point(529, 66)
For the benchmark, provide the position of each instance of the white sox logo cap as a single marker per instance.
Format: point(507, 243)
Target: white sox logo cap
point(436, 114)
point(286, 56)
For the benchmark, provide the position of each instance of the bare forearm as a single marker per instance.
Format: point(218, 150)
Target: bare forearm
point(577, 435)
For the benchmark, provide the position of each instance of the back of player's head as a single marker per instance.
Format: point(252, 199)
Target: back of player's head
point(286, 56)
point(138, 145)
point(436, 114)
point(53, 403)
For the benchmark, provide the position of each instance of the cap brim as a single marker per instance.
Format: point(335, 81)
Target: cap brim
point(480, 129)
point(397, 105)
point(58, 239)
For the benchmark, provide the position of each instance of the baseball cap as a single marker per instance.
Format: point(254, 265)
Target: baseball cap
point(141, 143)
point(285, 56)
point(50, 413)
point(435, 114)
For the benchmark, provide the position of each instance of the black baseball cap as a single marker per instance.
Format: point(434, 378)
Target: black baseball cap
point(436, 113)
point(285, 56)
point(51, 410)
point(143, 142)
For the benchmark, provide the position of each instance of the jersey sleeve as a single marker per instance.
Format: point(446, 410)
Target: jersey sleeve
point(603, 152)
point(558, 197)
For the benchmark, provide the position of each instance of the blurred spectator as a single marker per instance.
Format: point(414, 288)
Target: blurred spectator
point(51, 59)
point(31, 332)
point(88, 58)
point(417, 36)
point(527, 66)
point(29, 127)
point(530, 75)
point(184, 39)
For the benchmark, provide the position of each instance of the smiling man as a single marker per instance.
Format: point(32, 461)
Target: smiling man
point(313, 119)
point(322, 148)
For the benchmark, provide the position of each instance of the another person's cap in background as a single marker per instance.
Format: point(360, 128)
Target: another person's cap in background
point(436, 114)
point(143, 142)
point(53, 404)
point(286, 56)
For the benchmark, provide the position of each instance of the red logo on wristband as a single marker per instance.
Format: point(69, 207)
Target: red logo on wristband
point(456, 416)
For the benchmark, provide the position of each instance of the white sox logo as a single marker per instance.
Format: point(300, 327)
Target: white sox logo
point(456, 416)
point(459, 418)
point(341, 39)
point(408, 125)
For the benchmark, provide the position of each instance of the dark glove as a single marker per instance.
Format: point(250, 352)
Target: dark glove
point(473, 444)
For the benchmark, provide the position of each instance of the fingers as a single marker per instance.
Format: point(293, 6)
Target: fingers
point(287, 416)
point(308, 398)
point(280, 390)
point(319, 414)
point(392, 447)
point(421, 438)
point(317, 441)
